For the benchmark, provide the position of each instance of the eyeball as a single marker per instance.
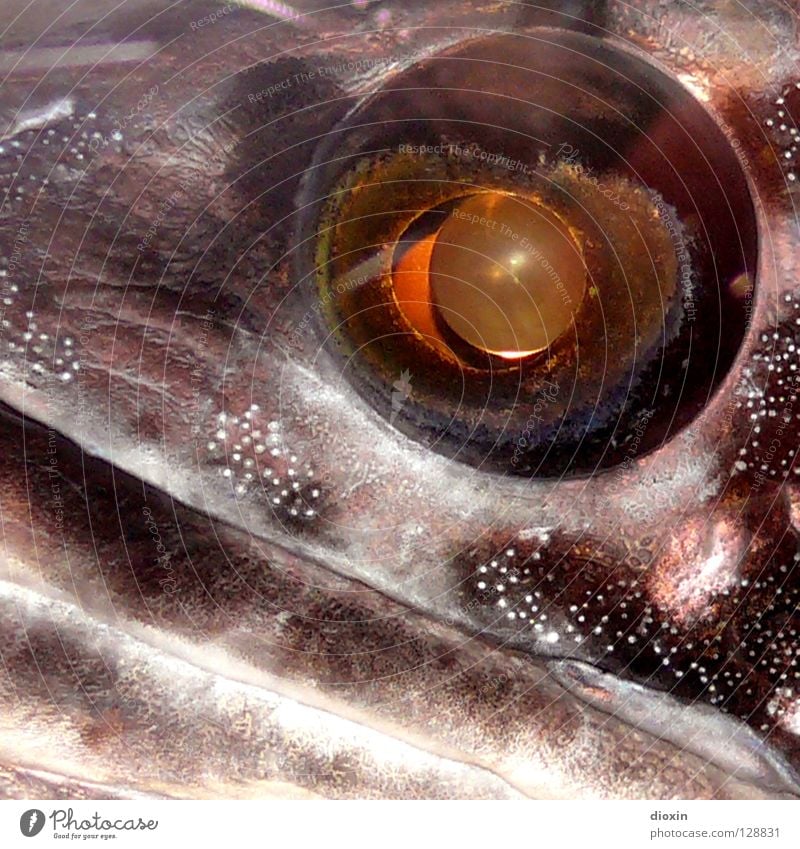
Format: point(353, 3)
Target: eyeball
point(549, 258)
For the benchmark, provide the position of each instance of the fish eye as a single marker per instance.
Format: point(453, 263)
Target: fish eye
point(507, 235)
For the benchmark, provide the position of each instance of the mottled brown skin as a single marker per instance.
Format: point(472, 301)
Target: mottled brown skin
point(127, 672)
point(177, 697)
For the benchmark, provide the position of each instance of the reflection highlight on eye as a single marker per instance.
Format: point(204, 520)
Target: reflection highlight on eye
point(506, 274)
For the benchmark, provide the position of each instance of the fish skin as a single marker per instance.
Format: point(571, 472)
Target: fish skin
point(206, 690)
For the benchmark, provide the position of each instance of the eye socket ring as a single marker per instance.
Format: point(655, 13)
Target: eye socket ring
point(661, 318)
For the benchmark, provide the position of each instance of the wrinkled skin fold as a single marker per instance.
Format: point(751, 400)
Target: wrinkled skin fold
point(174, 628)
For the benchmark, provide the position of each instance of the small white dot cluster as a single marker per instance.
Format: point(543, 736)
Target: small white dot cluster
point(61, 152)
point(251, 453)
point(770, 395)
point(782, 126)
point(40, 354)
point(754, 649)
